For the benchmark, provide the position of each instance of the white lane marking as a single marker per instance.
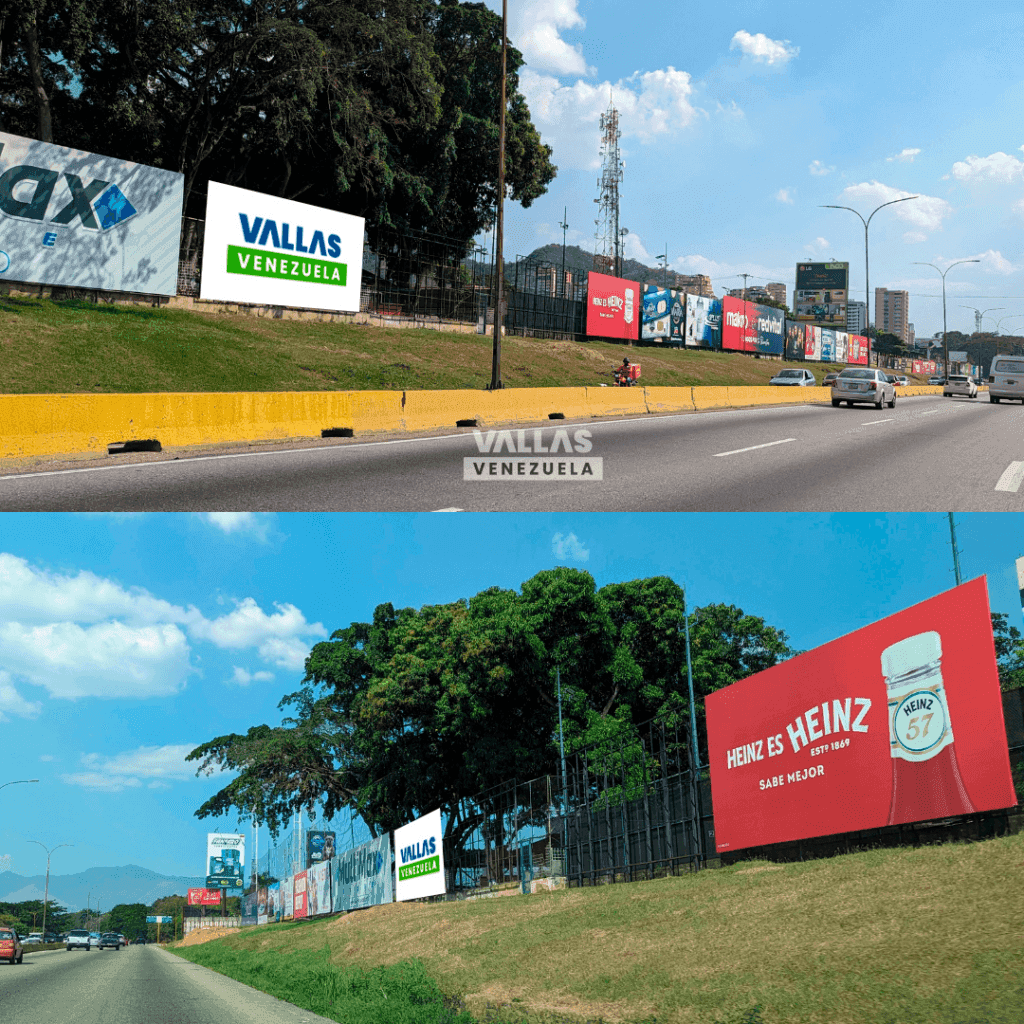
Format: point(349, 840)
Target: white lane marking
point(930, 412)
point(871, 423)
point(1012, 477)
point(449, 510)
point(753, 447)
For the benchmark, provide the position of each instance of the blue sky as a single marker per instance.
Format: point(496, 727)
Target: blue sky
point(740, 119)
point(126, 640)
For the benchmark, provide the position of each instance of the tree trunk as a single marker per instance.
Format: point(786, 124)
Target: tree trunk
point(35, 64)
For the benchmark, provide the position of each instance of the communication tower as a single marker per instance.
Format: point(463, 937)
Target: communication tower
point(608, 238)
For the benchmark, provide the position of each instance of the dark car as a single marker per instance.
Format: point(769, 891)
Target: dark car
point(110, 940)
point(140, 940)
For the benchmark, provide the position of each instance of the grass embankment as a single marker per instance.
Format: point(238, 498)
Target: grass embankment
point(905, 936)
point(74, 346)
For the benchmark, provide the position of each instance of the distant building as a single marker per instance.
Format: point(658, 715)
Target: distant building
point(892, 310)
point(856, 317)
point(755, 293)
point(777, 291)
point(692, 284)
point(910, 335)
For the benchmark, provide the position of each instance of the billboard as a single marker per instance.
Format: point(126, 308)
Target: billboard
point(842, 347)
point(248, 909)
point(287, 898)
point(751, 327)
point(812, 343)
point(269, 251)
point(274, 902)
point(612, 307)
point(664, 313)
point(319, 846)
point(958, 357)
point(261, 905)
point(299, 896)
point(828, 345)
point(703, 322)
point(419, 859)
point(821, 292)
point(771, 324)
point(893, 723)
point(923, 366)
point(225, 862)
point(794, 340)
point(362, 877)
point(204, 897)
point(857, 350)
point(69, 217)
point(318, 889)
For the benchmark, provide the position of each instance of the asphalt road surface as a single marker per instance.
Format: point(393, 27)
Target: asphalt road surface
point(929, 454)
point(135, 985)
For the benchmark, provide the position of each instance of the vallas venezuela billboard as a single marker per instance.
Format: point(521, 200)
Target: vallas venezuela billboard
point(899, 721)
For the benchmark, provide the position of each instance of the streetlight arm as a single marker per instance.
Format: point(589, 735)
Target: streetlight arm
point(903, 199)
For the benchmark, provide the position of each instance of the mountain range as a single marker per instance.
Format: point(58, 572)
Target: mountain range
point(105, 886)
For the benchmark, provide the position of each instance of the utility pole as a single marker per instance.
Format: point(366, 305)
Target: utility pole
point(956, 551)
point(698, 835)
point(564, 225)
point(499, 300)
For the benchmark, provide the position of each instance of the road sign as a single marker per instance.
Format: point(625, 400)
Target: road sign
point(159, 920)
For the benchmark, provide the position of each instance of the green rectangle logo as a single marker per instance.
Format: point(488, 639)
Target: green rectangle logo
point(261, 263)
point(419, 867)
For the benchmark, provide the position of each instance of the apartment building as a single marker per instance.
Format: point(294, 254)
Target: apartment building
point(692, 284)
point(856, 317)
point(892, 312)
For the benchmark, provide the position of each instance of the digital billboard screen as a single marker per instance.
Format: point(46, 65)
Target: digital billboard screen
point(814, 277)
point(821, 293)
point(703, 322)
point(612, 307)
point(899, 721)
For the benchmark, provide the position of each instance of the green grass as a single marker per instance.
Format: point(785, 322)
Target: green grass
point(905, 936)
point(75, 346)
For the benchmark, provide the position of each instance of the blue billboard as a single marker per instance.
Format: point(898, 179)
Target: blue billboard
point(770, 329)
point(363, 876)
point(828, 345)
point(663, 316)
point(703, 322)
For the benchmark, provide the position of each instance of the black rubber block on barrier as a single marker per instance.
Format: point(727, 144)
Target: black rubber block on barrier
point(123, 447)
point(338, 432)
point(556, 415)
point(465, 423)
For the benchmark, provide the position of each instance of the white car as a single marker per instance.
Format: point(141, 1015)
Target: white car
point(1006, 379)
point(78, 938)
point(959, 384)
point(794, 379)
point(864, 385)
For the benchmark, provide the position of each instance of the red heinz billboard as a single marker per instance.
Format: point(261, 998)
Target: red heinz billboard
point(613, 307)
point(899, 721)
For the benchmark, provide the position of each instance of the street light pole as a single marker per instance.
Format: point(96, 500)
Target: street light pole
point(979, 315)
point(16, 781)
point(942, 273)
point(867, 285)
point(499, 299)
point(564, 225)
point(1010, 316)
point(46, 890)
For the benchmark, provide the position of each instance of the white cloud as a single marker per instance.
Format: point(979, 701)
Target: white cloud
point(1018, 207)
point(239, 522)
point(784, 196)
point(762, 49)
point(243, 678)
point(818, 168)
point(82, 635)
point(108, 659)
point(534, 28)
point(651, 105)
point(160, 765)
point(1001, 167)
point(904, 156)
point(914, 236)
point(568, 548)
point(819, 245)
point(994, 262)
point(12, 702)
point(925, 212)
point(46, 757)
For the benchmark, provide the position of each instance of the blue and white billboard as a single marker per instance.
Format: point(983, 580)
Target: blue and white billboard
point(362, 877)
point(703, 322)
point(419, 858)
point(663, 316)
point(828, 345)
point(770, 329)
point(68, 217)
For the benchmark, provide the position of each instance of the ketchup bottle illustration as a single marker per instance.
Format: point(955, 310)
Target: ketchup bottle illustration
point(926, 780)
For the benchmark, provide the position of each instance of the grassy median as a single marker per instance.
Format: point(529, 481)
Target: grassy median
point(905, 936)
point(75, 346)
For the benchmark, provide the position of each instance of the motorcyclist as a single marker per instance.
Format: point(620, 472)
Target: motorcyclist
point(621, 373)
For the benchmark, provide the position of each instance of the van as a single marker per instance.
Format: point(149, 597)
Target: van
point(1006, 378)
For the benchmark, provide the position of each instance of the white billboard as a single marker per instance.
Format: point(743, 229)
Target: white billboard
point(225, 862)
point(68, 217)
point(264, 250)
point(419, 859)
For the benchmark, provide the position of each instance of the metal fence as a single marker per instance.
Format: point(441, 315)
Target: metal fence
point(194, 918)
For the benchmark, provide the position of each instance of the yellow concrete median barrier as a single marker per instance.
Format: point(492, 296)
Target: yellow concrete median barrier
point(665, 399)
point(616, 402)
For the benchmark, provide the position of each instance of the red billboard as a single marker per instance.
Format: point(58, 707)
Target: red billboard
point(899, 721)
point(201, 897)
point(857, 352)
point(739, 325)
point(613, 307)
point(299, 905)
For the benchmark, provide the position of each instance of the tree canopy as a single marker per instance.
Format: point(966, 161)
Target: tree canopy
point(431, 706)
point(386, 109)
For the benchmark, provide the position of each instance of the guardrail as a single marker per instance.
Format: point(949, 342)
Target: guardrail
point(39, 425)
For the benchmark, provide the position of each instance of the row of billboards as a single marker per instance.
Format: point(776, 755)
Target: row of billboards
point(77, 219)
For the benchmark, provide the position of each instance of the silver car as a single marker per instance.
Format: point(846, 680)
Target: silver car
point(959, 384)
point(794, 379)
point(863, 385)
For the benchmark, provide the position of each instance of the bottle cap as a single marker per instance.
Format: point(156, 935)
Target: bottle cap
point(911, 654)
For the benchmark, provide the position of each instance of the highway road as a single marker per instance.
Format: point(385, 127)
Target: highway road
point(136, 985)
point(929, 454)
